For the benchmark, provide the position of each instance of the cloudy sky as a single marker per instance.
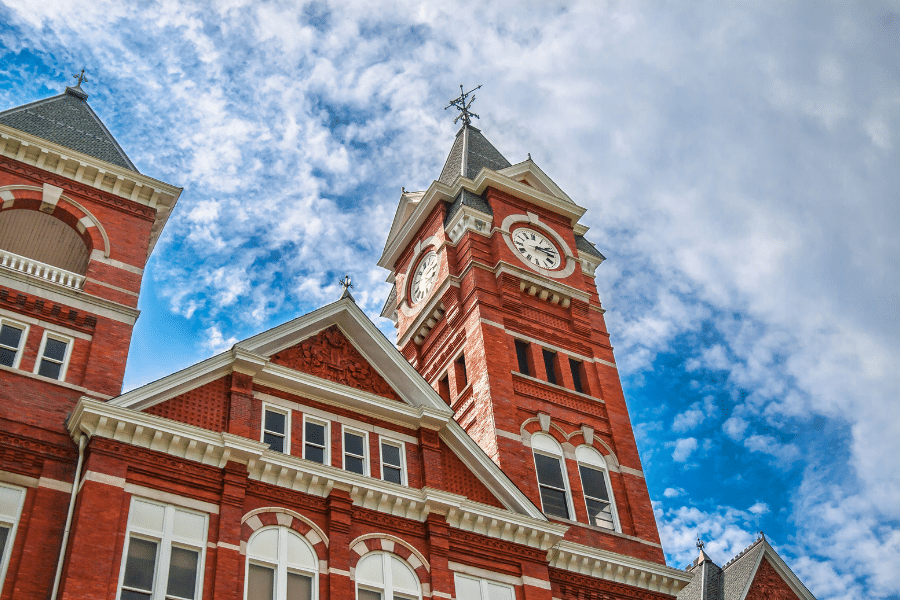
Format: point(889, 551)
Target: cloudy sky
point(740, 166)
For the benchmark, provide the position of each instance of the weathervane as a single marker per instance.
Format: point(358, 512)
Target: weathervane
point(700, 544)
point(80, 77)
point(463, 107)
point(346, 283)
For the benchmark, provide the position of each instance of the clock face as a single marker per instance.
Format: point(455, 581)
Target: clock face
point(424, 277)
point(536, 248)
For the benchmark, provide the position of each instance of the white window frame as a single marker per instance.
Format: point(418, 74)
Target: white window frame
point(266, 407)
point(592, 463)
point(164, 540)
point(64, 367)
point(558, 454)
point(402, 446)
point(281, 566)
point(12, 521)
point(327, 425)
point(483, 583)
point(365, 457)
point(386, 588)
point(25, 327)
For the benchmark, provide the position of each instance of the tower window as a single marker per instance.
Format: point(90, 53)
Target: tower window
point(315, 441)
point(355, 452)
point(11, 337)
point(576, 367)
point(276, 424)
point(595, 483)
point(550, 365)
point(548, 462)
point(462, 378)
point(522, 349)
point(54, 356)
point(392, 462)
point(444, 388)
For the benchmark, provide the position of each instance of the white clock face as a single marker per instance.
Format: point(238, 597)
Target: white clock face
point(424, 278)
point(536, 248)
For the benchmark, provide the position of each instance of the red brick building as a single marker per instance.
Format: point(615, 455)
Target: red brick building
point(490, 457)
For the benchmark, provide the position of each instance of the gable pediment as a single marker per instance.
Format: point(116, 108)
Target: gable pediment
point(330, 355)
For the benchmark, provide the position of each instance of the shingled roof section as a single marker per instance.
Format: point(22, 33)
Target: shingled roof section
point(741, 569)
point(470, 153)
point(587, 247)
point(467, 198)
point(67, 120)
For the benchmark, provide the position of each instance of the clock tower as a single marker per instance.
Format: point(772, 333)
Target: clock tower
point(495, 304)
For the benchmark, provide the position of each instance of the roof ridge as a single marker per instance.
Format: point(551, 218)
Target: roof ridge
point(744, 551)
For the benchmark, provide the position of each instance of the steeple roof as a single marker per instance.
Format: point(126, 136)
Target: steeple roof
point(470, 153)
point(67, 120)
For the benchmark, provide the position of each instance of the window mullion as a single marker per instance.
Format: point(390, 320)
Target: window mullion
point(164, 556)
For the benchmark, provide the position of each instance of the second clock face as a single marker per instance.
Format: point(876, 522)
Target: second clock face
point(536, 248)
point(424, 278)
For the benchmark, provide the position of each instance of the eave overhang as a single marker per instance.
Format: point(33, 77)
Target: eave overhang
point(93, 172)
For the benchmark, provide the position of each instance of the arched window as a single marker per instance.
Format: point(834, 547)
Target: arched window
point(551, 475)
point(43, 238)
point(383, 576)
point(281, 565)
point(597, 492)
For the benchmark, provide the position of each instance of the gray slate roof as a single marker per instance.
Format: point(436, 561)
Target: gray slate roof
point(741, 570)
point(587, 247)
point(67, 120)
point(470, 153)
point(467, 198)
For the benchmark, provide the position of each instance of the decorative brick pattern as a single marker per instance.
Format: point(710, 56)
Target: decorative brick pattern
point(459, 480)
point(203, 406)
point(768, 585)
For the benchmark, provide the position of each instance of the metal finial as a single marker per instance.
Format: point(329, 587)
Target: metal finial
point(762, 535)
point(463, 107)
point(529, 156)
point(402, 190)
point(346, 283)
point(80, 77)
point(700, 544)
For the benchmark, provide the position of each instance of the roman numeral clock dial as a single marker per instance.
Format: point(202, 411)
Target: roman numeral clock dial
point(536, 248)
point(424, 277)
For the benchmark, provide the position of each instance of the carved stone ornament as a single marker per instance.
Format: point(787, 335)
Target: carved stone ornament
point(331, 356)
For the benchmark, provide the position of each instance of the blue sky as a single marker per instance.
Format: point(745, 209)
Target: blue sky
point(740, 166)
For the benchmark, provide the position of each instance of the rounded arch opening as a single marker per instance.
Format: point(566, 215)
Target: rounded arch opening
point(381, 574)
point(281, 564)
point(43, 238)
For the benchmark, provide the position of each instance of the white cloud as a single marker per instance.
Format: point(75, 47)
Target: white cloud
point(683, 449)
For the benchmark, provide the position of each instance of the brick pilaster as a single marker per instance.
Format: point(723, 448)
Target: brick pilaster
point(340, 515)
point(229, 568)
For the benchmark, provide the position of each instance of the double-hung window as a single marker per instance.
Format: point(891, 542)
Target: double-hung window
point(164, 551)
point(53, 356)
point(393, 462)
point(550, 467)
point(315, 440)
point(276, 424)
point(12, 338)
point(595, 483)
point(11, 501)
point(356, 444)
point(281, 565)
point(476, 588)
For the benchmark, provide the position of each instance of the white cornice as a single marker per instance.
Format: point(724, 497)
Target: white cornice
point(93, 172)
point(437, 191)
point(612, 566)
point(99, 419)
